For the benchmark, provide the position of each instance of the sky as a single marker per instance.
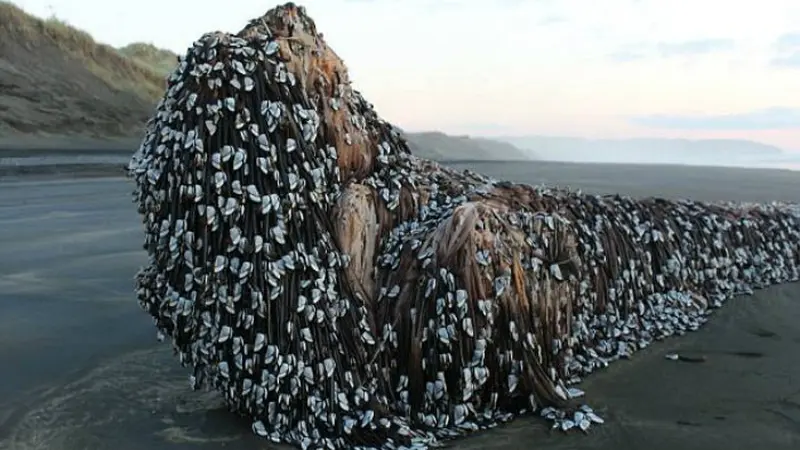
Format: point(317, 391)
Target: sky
point(612, 69)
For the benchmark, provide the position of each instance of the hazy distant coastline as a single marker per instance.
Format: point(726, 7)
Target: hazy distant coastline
point(704, 152)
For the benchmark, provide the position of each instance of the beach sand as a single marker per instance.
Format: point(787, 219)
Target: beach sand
point(81, 368)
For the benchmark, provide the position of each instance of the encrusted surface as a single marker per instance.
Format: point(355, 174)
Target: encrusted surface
point(341, 292)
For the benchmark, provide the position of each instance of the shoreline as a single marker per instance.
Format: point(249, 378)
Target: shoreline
point(76, 163)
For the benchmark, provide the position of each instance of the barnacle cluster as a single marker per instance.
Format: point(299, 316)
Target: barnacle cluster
point(343, 293)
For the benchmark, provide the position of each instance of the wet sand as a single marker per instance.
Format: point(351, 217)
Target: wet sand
point(81, 368)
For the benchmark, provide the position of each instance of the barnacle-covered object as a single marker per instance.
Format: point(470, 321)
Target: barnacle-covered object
point(341, 292)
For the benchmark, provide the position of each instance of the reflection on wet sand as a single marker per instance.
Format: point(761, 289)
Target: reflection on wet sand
point(142, 392)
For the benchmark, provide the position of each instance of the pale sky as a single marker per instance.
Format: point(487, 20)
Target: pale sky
point(595, 69)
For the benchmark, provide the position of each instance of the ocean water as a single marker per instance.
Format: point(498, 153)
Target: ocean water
point(794, 166)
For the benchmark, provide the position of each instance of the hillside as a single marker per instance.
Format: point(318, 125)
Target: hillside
point(57, 80)
point(156, 59)
point(439, 146)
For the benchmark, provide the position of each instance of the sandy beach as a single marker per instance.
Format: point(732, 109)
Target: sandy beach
point(82, 368)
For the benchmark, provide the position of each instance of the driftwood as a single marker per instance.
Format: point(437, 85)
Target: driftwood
point(341, 292)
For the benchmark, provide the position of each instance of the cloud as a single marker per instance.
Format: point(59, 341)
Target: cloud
point(775, 118)
point(789, 61)
point(552, 20)
point(694, 47)
point(635, 52)
point(788, 51)
point(788, 41)
point(623, 56)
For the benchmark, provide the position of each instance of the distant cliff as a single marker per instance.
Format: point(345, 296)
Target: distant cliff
point(660, 151)
point(443, 147)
